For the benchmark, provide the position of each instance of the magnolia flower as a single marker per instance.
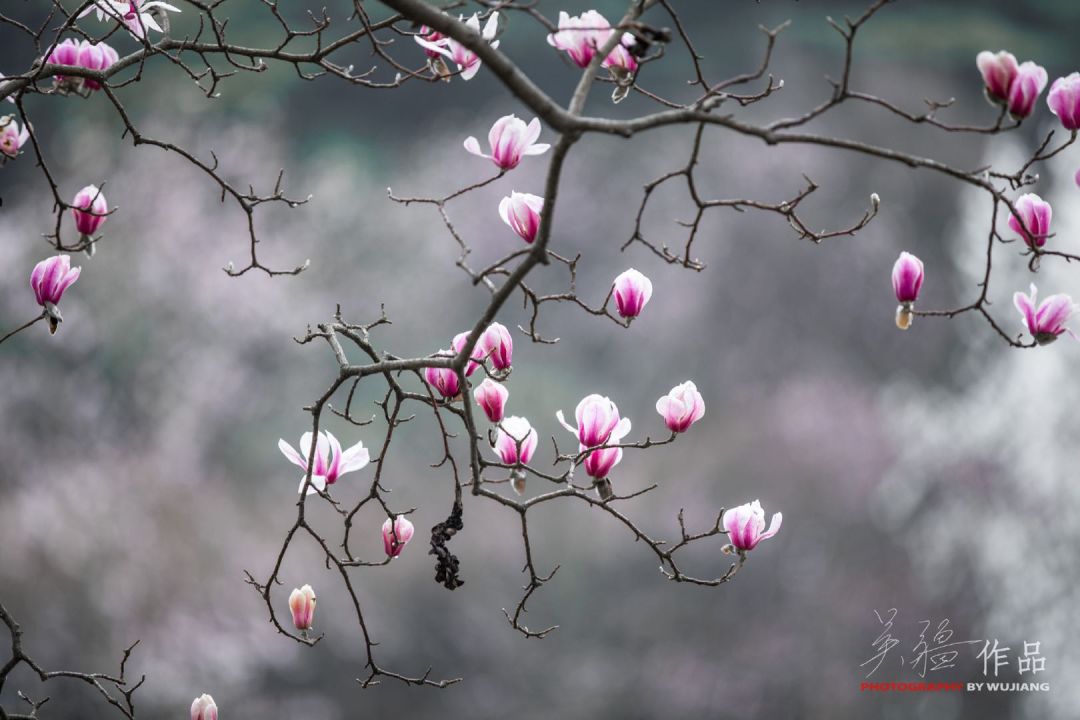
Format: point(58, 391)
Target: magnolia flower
point(510, 139)
point(598, 419)
point(682, 407)
point(1036, 214)
point(516, 441)
point(96, 57)
point(745, 525)
point(998, 72)
point(1024, 91)
point(135, 15)
point(204, 708)
point(622, 65)
point(65, 53)
point(12, 138)
point(632, 293)
point(467, 61)
point(599, 463)
point(396, 535)
point(521, 211)
point(580, 36)
point(49, 279)
point(907, 279)
point(89, 209)
point(1064, 100)
point(330, 461)
point(479, 352)
point(491, 397)
point(443, 379)
point(428, 37)
point(1047, 320)
point(499, 345)
point(302, 607)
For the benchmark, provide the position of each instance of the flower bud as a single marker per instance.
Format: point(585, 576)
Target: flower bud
point(632, 293)
point(96, 57)
point(682, 407)
point(204, 708)
point(745, 525)
point(521, 211)
point(500, 346)
point(65, 53)
point(396, 535)
point(89, 209)
point(1036, 214)
point(1025, 89)
point(491, 397)
point(302, 607)
point(515, 441)
point(998, 72)
point(443, 379)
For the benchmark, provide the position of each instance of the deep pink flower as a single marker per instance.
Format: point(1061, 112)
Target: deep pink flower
point(12, 138)
point(599, 463)
point(620, 62)
point(1036, 214)
point(598, 419)
point(516, 441)
point(510, 140)
point(521, 211)
point(430, 37)
point(65, 53)
point(682, 407)
point(443, 379)
point(96, 57)
point(51, 278)
point(632, 293)
point(396, 535)
point(1046, 321)
point(204, 708)
point(1025, 89)
point(581, 35)
point(467, 61)
point(89, 209)
point(745, 525)
point(499, 346)
point(1064, 100)
point(302, 607)
point(907, 278)
point(998, 72)
point(491, 397)
point(330, 462)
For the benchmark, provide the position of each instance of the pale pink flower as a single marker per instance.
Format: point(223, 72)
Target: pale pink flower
point(302, 607)
point(745, 525)
point(998, 72)
point(134, 15)
point(1025, 89)
point(491, 397)
point(682, 407)
point(516, 441)
point(580, 36)
point(96, 57)
point(1064, 100)
point(12, 137)
point(204, 708)
point(597, 420)
point(521, 211)
point(330, 461)
point(89, 209)
point(632, 293)
point(1046, 321)
point(443, 379)
point(1036, 214)
point(396, 535)
point(907, 278)
point(467, 61)
point(499, 346)
point(510, 140)
point(479, 351)
point(51, 277)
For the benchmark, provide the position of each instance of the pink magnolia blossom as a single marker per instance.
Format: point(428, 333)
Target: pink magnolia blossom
point(998, 72)
point(682, 407)
point(632, 293)
point(1036, 214)
point(330, 461)
point(580, 36)
point(65, 53)
point(443, 379)
point(907, 279)
point(89, 209)
point(1076, 178)
point(521, 211)
point(396, 535)
point(467, 61)
point(479, 353)
point(597, 419)
point(430, 37)
point(51, 277)
point(598, 463)
point(491, 397)
point(745, 525)
point(12, 137)
point(302, 607)
point(510, 140)
point(1064, 100)
point(135, 15)
point(620, 62)
point(1046, 321)
point(1025, 89)
point(96, 57)
point(499, 345)
point(516, 441)
point(204, 708)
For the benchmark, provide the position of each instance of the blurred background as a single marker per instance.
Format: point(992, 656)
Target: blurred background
point(929, 471)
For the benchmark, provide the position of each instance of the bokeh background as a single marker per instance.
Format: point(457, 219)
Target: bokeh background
point(930, 471)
